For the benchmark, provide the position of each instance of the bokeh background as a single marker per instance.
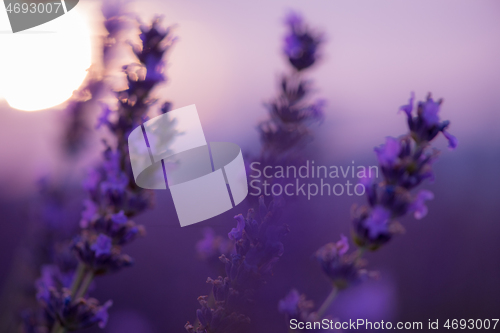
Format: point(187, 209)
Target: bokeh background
point(227, 61)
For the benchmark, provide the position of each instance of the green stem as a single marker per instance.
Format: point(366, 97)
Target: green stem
point(361, 252)
point(85, 285)
point(75, 285)
point(58, 328)
point(326, 304)
point(77, 280)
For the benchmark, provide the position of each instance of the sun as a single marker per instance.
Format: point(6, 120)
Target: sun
point(41, 67)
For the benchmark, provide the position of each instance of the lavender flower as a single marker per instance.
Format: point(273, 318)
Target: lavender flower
point(405, 162)
point(291, 115)
point(343, 270)
point(296, 306)
point(258, 248)
point(301, 44)
point(292, 112)
point(426, 125)
point(99, 255)
point(257, 238)
point(371, 228)
point(113, 196)
point(74, 314)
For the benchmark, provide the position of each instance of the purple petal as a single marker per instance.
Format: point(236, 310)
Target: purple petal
point(119, 218)
point(418, 206)
point(408, 109)
point(88, 213)
point(293, 19)
point(102, 314)
point(102, 245)
point(342, 245)
point(388, 153)
point(452, 140)
point(236, 233)
point(378, 222)
point(429, 111)
point(289, 304)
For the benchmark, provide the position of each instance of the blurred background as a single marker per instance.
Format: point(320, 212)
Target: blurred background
point(227, 61)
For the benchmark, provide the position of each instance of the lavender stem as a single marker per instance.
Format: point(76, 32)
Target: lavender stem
point(326, 304)
point(77, 279)
point(85, 285)
point(58, 328)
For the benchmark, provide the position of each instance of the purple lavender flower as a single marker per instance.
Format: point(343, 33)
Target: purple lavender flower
point(342, 269)
point(426, 125)
point(236, 233)
point(258, 247)
point(290, 304)
point(301, 44)
point(405, 163)
point(292, 112)
point(113, 196)
point(388, 153)
point(102, 246)
point(74, 314)
point(216, 319)
point(99, 255)
point(418, 205)
point(296, 306)
point(291, 115)
point(372, 228)
point(402, 164)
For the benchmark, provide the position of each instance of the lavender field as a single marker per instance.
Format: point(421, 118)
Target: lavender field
point(369, 132)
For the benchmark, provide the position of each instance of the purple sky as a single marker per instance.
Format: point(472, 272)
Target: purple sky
point(227, 61)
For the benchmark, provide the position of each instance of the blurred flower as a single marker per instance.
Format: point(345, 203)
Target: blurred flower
point(301, 44)
point(292, 111)
point(418, 205)
point(296, 306)
point(405, 163)
point(258, 247)
point(371, 228)
point(426, 125)
point(98, 254)
point(102, 246)
point(113, 197)
point(74, 314)
point(343, 270)
point(216, 319)
point(257, 238)
point(291, 115)
point(236, 233)
point(388, 153)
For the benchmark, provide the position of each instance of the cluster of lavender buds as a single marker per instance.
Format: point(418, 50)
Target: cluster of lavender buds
point(297, 306)
point(405, 163)
point(258, 247)
point(54, 223)
point(254, 245)
point(290, 116)
point(113, 199)
point(85, 100)
point(292, 112)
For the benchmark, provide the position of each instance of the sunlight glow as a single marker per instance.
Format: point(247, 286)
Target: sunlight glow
point(41, 67)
